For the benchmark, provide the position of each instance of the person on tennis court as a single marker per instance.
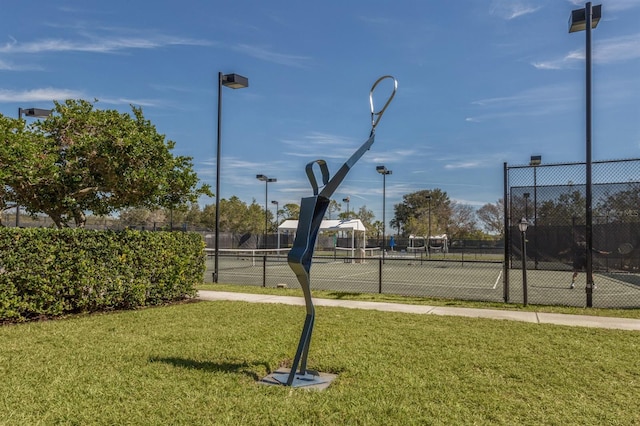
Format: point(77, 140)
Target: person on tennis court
point(579, 258)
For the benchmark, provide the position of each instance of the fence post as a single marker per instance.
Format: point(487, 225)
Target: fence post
point(380, 275)
point(264, 270)
point(507, 238)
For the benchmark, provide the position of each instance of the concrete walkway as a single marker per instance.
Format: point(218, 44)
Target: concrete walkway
point(535, 317)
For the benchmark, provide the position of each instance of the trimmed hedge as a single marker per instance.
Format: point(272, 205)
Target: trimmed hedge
point(50, 272)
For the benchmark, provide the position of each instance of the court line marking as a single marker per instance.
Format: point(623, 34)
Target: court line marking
point(497, 280)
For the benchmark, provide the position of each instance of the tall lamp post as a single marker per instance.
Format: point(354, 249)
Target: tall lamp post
point(35, 113)
point(586, 19)
point(346, 200)
point(277, 220)
point(384, 172)
point(233, 81)
point(266, 181)
point(522, 225)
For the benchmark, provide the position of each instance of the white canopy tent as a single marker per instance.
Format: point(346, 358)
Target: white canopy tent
point(353, 225)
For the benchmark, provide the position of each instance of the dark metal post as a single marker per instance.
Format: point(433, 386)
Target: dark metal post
point(429, 234)
point(589, 211)
point(384, 225)
point(233, 81)
point(380, 261)
point(524, 269)
point(384, 172)
point(507, 241)
point(217, 238)
point(535, 215)
point(266, 212)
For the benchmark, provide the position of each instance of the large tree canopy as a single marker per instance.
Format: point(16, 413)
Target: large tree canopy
point(81, 159)
point(412, 215)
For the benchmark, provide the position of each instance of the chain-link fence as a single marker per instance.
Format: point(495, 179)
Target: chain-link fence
point(552, 200)
point(472, 276)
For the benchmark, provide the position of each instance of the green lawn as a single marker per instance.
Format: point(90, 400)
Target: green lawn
point(197, 363)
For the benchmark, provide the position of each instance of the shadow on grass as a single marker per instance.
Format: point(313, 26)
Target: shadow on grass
point(245, 368)
point(342, 295)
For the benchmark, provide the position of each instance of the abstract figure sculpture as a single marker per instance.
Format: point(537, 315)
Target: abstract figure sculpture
point(312, 210)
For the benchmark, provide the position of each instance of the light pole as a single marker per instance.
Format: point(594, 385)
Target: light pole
point(35, 113)
point(266, 181)
point(277, 220)
point(384, 172)
point(535, 161)
point(526, 196)
point(522, 225)
point(587, 19)
point(233, 81)
point(346, 200)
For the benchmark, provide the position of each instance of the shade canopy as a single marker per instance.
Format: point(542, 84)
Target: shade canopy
point(328, 225)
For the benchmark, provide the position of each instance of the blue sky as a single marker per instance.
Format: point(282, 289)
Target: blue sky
point(481, 82)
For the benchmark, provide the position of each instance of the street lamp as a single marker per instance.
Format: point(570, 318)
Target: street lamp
point(277, 220)
point(233, 81)
point(384, 172)
point(35, 113)
point(266, 181)
point(522, 225)
point(587, 19)
point(346, 200)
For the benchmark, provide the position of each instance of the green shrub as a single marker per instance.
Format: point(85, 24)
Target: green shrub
point(57, 271)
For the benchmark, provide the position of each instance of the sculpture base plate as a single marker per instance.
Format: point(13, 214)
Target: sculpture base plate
point(310, 380)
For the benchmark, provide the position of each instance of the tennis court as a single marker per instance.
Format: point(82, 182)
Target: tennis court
point(410, 275)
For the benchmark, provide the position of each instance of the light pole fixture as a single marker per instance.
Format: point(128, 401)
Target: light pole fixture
point(34, 113)
point(522, 226)
point(233, 81)
point(429, 197)
point(384, 172)
point(266, 181)
point(346, 200)
point(586, 19)
point(535, 161)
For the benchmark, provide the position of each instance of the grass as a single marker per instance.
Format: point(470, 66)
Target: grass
point(375, 297)
point(197, 363)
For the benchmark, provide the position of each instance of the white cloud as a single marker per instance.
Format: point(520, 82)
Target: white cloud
point(511, 9)
point(270, 56)
point(618, 49)
point(37, 95)
point(97, 44)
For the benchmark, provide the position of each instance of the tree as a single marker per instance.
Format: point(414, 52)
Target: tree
point(463, 222)
point(412, 215)
point(366, 216)
point(142, 217)
point(492, 217)
point(80, 159)
point(334, 206)
point(568, 208)
point(291, 211)
point(621, 206)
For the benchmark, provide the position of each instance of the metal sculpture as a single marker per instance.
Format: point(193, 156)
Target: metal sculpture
point(312, 210)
